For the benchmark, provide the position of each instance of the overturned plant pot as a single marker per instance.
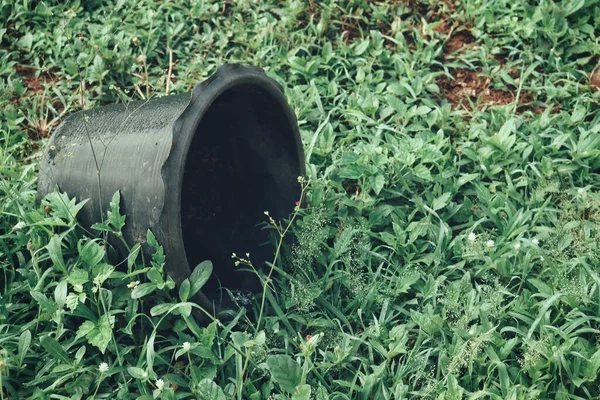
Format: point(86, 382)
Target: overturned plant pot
point(197, 169)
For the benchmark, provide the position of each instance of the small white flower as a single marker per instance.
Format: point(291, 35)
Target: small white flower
point(535, 241)
point(472, 237)
point(490, 244)
point(160, 384)
point(103, 367)
point(133, 284)
point(19, 226)
point(187, 346)
point(517, 246)
point(581, 191)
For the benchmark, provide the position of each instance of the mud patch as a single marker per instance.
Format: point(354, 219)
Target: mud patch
point(31, 82)
point(595, 78)
point(472, 86)
point(458, 39)
point(310, 12)
point(458, 43)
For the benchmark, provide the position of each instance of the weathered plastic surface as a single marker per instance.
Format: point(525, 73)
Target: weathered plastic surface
point(141, 149)
point(129, 146)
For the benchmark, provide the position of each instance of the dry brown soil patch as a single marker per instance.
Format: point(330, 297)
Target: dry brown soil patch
point(471, 86)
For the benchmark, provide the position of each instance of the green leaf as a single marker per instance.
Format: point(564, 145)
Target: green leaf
point(60, 293)
point(151, 240)
point(541, 287)
point(156, 277)
point(361, 47)
point(454, 390)
point(465, 178)
point(184, 290)
point(101, 273)
point(85, 328)
point(544, 307)
point(184, 309)
point(103, 334)
point(200, 276)
point(285, 371)
point(142, 290)
point(505, 138)
point(258, 340)
point(63, 207)
point(398, 339)
point(73, 299)
point(150, 354)
point(578, 114)
point(45, 304)
point(137, 373)
point(102, 227)
point(26, 42)
point(79, 355)
point(78, 277)
point(55, 253)
point(24, 344)
point(322, 393)
point(55, 349)
point(377, 183)
point(133, 255)
point(239, 339)
point(99, 334)
point(303, 393)
point(160, 309)
point(92, 253)
point(114, 215)
point(208, 390)
point(423, 172)
point(441, 202)
point(158, 257)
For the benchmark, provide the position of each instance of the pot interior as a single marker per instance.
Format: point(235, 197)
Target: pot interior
point(242, 162)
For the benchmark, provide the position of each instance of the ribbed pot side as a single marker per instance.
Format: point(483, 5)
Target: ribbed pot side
point(197, 169)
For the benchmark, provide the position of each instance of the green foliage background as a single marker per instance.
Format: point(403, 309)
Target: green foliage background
point(447, 252)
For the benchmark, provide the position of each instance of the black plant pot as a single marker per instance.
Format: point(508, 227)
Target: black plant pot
point(197, 169)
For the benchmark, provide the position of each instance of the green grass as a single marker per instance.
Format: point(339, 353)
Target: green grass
point(447, 251)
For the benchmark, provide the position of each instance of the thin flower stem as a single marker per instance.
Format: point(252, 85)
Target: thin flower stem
point(282, 235)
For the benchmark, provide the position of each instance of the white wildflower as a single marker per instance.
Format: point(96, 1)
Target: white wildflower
point(133, 284)
point(581, 191)
point(103, 367)
point(490, 244)
point(160, 384)
point(517, 246)
point(187, 346)
point(19, 226)
point(535, 241)
point(472, 237)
